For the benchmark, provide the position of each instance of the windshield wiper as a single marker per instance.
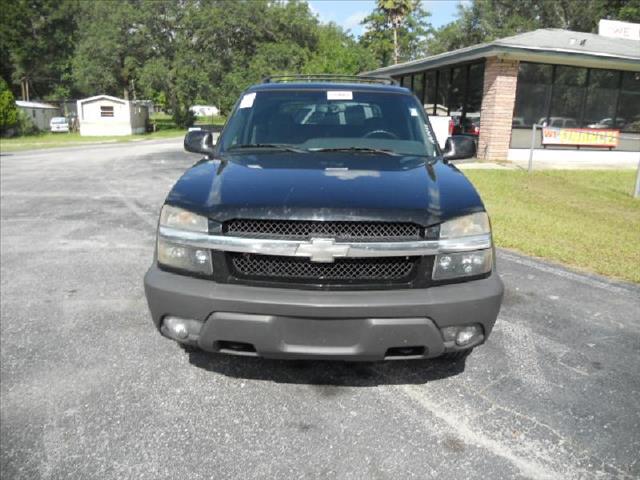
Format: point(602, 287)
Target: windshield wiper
point(356, 149)
point(274, 146)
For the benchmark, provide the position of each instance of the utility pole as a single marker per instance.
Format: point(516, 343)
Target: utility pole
point(533, 146)
point(636, 191)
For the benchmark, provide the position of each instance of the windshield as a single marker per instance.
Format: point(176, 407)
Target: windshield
point(329, 120)
point(57, 120)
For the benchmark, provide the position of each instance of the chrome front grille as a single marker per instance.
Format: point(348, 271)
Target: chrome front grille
point(339, 230)
point(345, 270)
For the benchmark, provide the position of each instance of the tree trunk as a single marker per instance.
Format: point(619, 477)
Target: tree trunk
point(395, 44)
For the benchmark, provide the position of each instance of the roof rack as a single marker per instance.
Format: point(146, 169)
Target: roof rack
point(329, 77)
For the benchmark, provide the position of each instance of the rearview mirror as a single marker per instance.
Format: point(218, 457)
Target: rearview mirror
point(459, 147)
point(199, 141)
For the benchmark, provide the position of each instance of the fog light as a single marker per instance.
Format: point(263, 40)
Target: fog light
point(449, 333)
point(183, 330)
point(467, 334)
point(201, 257)
point(462, 335)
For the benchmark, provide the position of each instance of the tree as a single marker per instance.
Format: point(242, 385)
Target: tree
point(487, 20)
point(110, 49)
point(396, 11)
point(396, 30)
point(38, 38)
point(8, 109)
point(338, 52)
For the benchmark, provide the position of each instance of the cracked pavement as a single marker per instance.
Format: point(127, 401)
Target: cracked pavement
point(89, 389)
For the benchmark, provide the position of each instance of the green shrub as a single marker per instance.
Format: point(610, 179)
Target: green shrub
point(8, 109)
point(25, 126)
point(183, 117)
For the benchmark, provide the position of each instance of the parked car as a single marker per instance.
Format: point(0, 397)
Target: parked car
point(59, 124)
point(558, 122)
point(325, 223)
point(608, 123)
point(632, 125)
point(467, 125)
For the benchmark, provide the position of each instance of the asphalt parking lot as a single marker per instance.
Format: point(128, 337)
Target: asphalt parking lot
point(89, 389)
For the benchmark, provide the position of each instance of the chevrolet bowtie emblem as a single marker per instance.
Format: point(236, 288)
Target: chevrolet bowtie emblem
point(322, 250)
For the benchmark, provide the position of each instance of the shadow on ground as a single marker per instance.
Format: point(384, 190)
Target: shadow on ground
point(327, 373)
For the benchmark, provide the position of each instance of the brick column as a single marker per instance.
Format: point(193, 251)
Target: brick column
point(496, 115)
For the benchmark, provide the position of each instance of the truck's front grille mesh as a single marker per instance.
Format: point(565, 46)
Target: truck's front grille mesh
point(275, 268)
point(301, 229)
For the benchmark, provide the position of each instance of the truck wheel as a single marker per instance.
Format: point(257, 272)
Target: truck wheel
point(455, 356)
point(188, 348)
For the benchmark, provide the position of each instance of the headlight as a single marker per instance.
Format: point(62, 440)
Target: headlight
point(464, 264)
point(175, 217)
point(474, 224)
point(184, 257)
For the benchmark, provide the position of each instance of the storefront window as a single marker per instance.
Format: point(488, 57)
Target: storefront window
point(430, 91)
point(418, 87)
point(602, 97)
point(534, 87)
point(475, 90)
point(458, 89)
point(629, 103)
point(567, 97)
point(442, 94)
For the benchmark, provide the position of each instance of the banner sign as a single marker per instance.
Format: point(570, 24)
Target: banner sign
point(580, 136)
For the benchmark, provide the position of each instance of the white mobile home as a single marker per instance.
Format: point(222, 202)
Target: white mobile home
point(104, 115)
point(205, 110)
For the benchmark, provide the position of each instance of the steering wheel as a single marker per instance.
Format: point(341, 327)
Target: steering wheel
point(384, 133)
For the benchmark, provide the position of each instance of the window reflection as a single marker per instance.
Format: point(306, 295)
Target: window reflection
point(563, 96)
point(629, 104)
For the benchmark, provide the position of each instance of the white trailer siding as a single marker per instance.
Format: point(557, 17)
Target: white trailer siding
point(107, 116)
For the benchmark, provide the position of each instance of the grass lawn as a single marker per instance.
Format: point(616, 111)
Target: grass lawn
point(214, 120)
point(51, 140)
point(165, 128)
point(582, 218)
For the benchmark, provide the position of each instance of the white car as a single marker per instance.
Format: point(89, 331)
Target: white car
point(561, 122)
point(59, 124)
point(608, 123)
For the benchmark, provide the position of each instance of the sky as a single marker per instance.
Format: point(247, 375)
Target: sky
point(349, 13)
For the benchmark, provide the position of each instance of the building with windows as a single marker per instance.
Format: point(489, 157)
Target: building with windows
point(585, 82)
point(104, 115)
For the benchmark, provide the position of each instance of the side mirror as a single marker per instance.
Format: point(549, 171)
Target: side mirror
point(199, 141)
point(458, 147)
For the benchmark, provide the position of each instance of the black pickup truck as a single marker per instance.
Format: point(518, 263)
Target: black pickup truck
point(325, 223)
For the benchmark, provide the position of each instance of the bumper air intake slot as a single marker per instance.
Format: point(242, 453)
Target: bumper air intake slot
point(404, 352)
point(235, 348)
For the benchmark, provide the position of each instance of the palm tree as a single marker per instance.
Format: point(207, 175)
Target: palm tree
point(396, 11)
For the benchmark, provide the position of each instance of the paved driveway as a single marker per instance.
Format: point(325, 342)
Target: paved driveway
point(90, 390)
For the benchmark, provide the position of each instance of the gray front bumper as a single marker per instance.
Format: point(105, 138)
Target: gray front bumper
point(356, 325)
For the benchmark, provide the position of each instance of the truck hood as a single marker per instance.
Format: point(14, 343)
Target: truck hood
point(326, 186)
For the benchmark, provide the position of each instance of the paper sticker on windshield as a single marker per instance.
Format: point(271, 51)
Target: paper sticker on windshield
point(414, 112)
point(247, 100)
point(339, 95)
